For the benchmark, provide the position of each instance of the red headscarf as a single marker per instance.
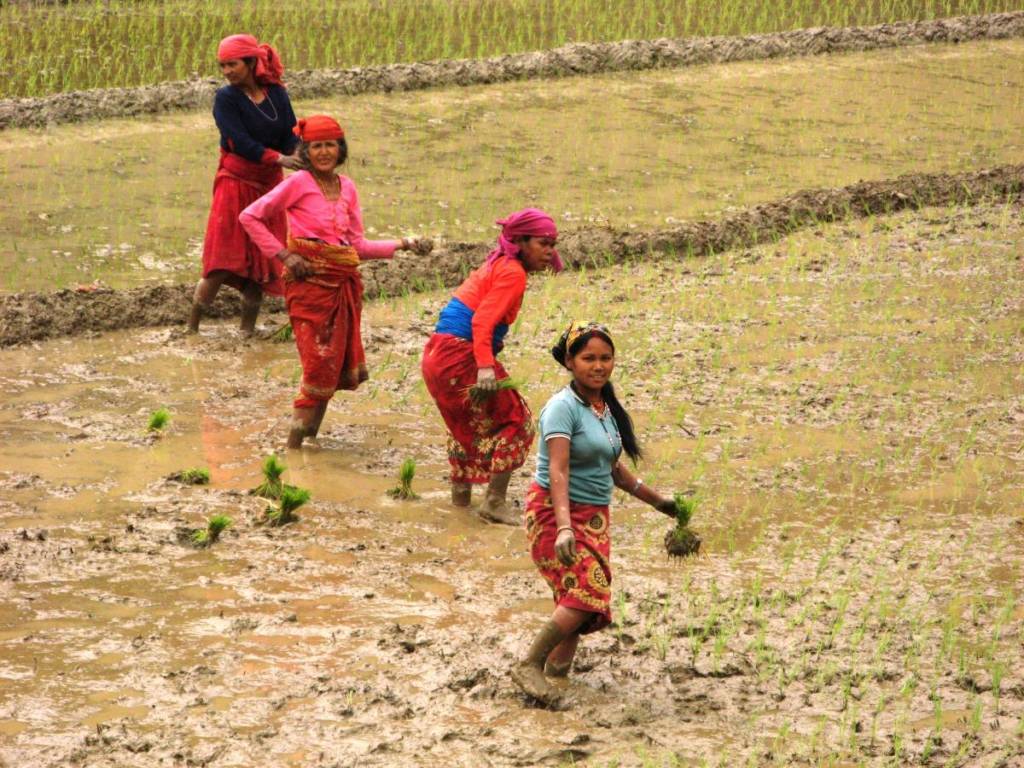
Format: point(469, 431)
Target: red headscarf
point(318, 128)
point(532, 222)
point(269, 68)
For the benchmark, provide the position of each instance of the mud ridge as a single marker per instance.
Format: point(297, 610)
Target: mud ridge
point(33, 316)
point(564, 61)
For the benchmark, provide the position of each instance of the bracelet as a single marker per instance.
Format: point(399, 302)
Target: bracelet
point(636, 485)
point(565, 528)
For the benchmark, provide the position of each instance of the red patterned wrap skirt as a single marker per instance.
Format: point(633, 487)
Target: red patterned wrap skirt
point(487, 436)
point(326, 311)
point(586, 585)
point(227, 247)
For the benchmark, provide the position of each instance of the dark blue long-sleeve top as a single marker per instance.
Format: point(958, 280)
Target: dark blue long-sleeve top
point(257, 132)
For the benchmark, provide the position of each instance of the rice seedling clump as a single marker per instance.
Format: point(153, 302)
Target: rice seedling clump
point(680, 540)
point(405, 475)
point(291, 498)
point(159, 419)
point(272, 484)
point(205, 537)
point(193, 476)
point(478, 394)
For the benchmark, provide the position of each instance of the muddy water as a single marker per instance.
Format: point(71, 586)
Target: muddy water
point(845, 402)
point(125, 202)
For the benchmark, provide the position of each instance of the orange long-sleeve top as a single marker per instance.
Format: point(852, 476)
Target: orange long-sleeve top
point(495, 294)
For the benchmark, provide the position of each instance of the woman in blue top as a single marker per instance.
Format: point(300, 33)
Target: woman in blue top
point(255, 119)
point(584, 431)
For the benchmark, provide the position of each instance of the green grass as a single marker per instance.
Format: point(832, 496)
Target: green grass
point(688, 143)
point(272, 484)
point(194, 476)
point(290, 499)
point(93, 44)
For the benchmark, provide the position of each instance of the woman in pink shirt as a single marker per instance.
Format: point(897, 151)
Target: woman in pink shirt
point(323, 290)
point(489, 437)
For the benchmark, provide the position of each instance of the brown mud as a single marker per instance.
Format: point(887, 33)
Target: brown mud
point(33, 316)
point(847, 401)
point(568, 60)
point(681, 542)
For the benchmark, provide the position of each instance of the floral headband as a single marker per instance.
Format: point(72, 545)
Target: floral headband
point(576, 330)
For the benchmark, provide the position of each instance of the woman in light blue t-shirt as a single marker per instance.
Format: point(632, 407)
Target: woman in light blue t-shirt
point(584, 431)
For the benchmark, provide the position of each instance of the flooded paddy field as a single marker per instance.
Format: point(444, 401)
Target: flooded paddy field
point(125, 202)
point(847, 403)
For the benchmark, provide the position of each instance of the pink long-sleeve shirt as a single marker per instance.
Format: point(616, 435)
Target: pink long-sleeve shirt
point(311, 215)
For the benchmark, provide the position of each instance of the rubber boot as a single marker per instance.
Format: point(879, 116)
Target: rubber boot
point(528, 674)
point(461, 494)
point(302, 420)
point(495, 508)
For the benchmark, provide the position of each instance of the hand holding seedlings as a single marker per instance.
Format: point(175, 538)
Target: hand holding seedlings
point(680, 540)
point(478, 394)
point(486, 381)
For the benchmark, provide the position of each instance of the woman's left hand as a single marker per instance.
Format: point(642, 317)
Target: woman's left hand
point(665, 506)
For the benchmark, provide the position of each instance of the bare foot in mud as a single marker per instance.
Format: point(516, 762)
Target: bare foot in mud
point(497, 511)
point(557, 669)
point(530, 679)
point(462, 493)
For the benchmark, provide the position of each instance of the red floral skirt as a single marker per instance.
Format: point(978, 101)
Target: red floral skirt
point(586, 584)
point(485, 437)
point(227, 247)
point(325, 310)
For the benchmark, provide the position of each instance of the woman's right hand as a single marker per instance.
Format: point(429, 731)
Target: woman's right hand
point(486, 380)
point(565, 547)
point(297, 266)
point(291, 162)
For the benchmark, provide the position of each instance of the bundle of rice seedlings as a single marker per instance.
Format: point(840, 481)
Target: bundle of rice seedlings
point(272, 484)
point(283, 334)
point(291, 499)
point(477, 395)
point(681, 541)
point(216, 525)
point(405, 475)
point(158, 419)
point(194, 476)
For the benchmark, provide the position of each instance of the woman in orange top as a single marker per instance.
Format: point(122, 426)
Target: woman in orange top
point(489, 437)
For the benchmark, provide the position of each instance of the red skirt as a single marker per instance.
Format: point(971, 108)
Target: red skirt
point(586, 585)
point(484, 437)
point(325, 310)
point(227, 247)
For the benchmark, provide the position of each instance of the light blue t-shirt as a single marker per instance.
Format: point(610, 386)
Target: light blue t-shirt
point(594, 446)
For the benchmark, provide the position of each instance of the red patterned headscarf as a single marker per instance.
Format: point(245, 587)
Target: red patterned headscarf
point(269, 68)
point(532, 222)
point(318, 128)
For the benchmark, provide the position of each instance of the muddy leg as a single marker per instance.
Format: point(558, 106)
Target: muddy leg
point(302, 421)
point(494, 508)
point(205, 293)
point(252, 298)
point(318, 419)
point(528, 674)
point(461, 494)
point(560, 659)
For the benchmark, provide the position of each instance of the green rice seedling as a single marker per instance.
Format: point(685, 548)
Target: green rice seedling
point(478, 395)
point(272, 484)
point(405, 475)
point(159, 419)
point(680, 540)
point(283, 334)
point(194, 476)
point(215, 526)
point(291, 498)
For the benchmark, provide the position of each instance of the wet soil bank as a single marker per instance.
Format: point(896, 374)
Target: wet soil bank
point(32, 316)
point(564, 61)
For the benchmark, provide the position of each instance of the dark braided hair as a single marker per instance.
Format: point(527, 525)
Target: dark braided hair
point(564, 349)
